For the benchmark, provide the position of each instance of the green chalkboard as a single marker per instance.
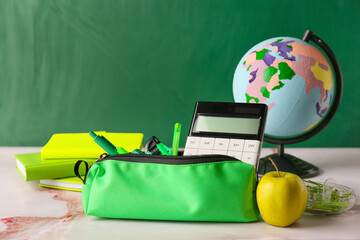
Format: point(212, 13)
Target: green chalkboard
point(140, 65)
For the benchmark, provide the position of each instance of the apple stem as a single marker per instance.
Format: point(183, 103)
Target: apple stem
point(273, 163)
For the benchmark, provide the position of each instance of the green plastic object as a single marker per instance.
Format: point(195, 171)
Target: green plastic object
point(164, 150)
point(137, 151)
point(182, 188)
point(121, 150)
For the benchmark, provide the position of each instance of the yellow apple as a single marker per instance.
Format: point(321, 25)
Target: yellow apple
point(281, 198)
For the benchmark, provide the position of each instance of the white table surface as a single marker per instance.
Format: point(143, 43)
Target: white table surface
point(28, 211)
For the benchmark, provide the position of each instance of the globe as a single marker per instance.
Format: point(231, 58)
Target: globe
point(292, 77)
point(301, 88)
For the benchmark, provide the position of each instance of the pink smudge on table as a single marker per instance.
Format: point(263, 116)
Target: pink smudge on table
point(26, 227)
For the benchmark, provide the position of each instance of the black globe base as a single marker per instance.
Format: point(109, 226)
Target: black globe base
point(287, 163)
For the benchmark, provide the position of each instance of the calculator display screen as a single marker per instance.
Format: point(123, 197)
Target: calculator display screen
point(218, 124)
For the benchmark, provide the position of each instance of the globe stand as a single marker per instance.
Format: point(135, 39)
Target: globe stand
point(287, 163)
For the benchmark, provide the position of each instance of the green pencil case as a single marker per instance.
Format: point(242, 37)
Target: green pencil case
point(181, 188)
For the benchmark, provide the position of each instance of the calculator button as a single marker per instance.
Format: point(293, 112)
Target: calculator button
point(221, 143)
point(192, 142)
point(207, 143)
point(190, 151)
point(251, 146)
point(236, 145)
point(221, 152)
point(204, 151)
point(235, 154)
point(250, 157)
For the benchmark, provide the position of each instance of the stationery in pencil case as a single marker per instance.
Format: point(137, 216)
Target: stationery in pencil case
point(183, 188)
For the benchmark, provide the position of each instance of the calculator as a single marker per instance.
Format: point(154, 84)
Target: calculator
point(226, 128)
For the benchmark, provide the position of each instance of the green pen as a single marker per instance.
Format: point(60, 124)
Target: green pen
point(176, 139)
point(104, 143)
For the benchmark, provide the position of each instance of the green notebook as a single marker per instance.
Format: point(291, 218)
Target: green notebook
point(31, 167)
point(70, 183)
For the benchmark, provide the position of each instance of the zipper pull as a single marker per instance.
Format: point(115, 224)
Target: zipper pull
point(102, 156)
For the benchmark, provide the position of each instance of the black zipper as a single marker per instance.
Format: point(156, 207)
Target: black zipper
point(157, 159)
point(170, 160)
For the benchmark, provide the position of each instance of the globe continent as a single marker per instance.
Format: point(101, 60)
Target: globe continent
point(292, 77)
